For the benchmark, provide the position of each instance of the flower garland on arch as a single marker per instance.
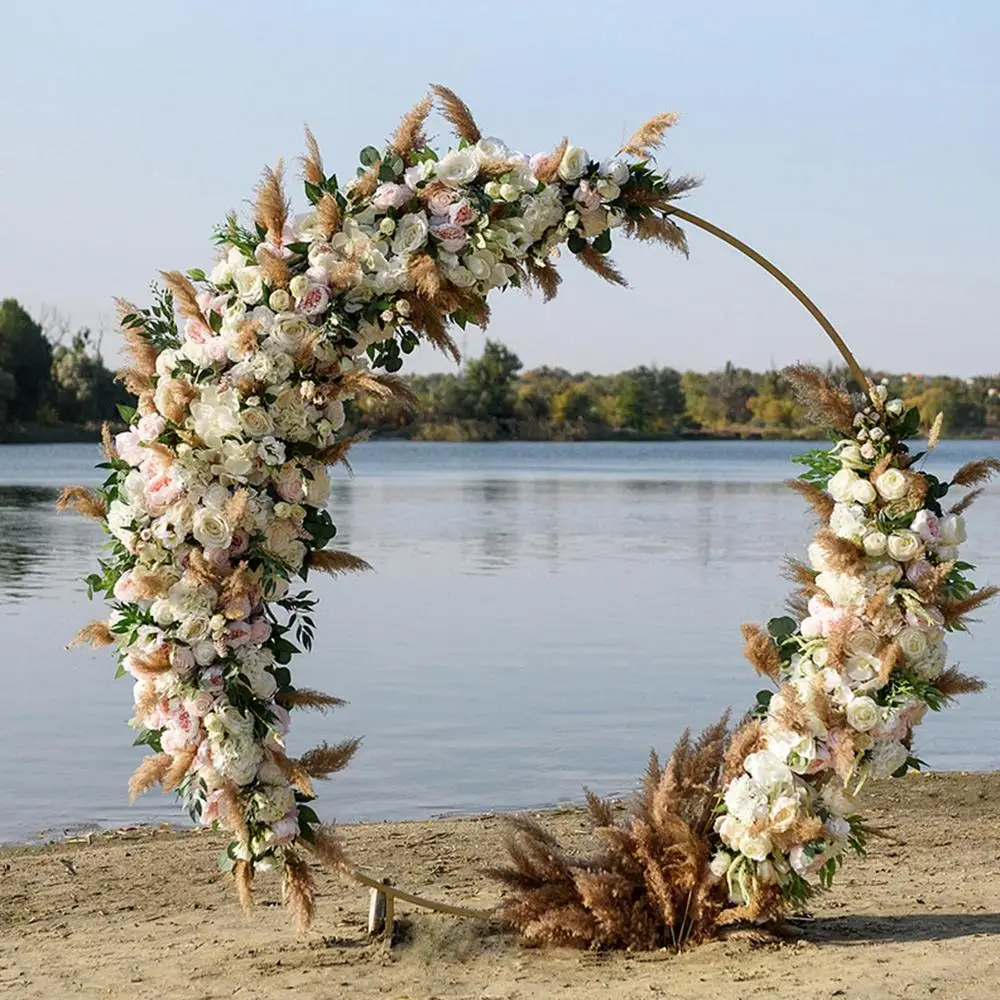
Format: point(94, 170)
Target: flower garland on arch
point(215, 498)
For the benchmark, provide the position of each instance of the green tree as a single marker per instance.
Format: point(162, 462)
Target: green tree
point(27, 356)
point(490, 383)
point(83, 389)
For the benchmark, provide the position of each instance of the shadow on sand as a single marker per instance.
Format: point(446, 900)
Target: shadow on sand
point(903, 927)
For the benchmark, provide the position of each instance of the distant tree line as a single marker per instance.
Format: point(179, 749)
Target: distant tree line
point(53, 380)
point(492, 398)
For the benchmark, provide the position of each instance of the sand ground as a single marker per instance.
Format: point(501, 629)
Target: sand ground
point(147, 914)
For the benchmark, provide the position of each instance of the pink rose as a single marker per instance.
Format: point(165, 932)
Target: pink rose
point(238, 634)
point(535, 163)
point(289, 483)
point(318, 276)
point(160, 493)
point(211, 679)
point(197, 331)
point(200, 705)
point(150, 427)
point(215, 556)
point(125, 589)
point(820, 761)
point(241, 542)
point(917, 570)
point(282, 720)
point(390, 195)
point(212, 810)
point(316, 299)
point(927, 526)
point(287, 828)
point(587, 196)
point(440, 202)
point(260, 631)
point(182, 659)
point(450, 236)
point(462, 213)
point(128, 446)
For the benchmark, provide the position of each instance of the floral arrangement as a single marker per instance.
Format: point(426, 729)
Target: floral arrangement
point(743, 825)
point(215, 498)
point(863, 657)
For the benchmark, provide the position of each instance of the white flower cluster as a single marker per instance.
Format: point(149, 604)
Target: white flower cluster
point(857, 671)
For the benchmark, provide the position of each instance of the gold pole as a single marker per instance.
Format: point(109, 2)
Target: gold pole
point(410, 897)
point(810, 306)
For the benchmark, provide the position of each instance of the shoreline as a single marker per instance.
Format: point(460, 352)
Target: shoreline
point(147, 914)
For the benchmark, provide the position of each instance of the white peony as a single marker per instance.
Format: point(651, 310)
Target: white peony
point(952, 529)
point(767, 770)
point(216, 415)
point(841, 486)
point(876, 543)
point(745, 800)
point(863, 492)
point(848, 521)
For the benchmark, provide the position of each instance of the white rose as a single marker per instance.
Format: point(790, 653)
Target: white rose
point(720, 863)
point(279, 300)
point(892, 485)
point(784, 813)
point(211, 529)
point(863, 714)
point(573, 163)
point(952, 529)
point(204, 653)
point(608, 190)
point(904, 545)
point(913, 643)
point(927, 526)
point(895, 407)
point(841, 486)
point(767, 770)
point(757, 848)
point(876, 543)
point(851, 457)
point(299, 285)
point(876, 434)
point(862, 641)
point(257, 421)
point(615, 170)
point(411, 233)
point(863, 492)
point(289, 331)
point(458, 167)
point(249, 284)
point(868, 452)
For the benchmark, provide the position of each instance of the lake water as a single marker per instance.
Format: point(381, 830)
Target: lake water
point(540, 616)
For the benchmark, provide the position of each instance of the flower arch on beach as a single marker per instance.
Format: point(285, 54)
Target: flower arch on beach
point(215, 510)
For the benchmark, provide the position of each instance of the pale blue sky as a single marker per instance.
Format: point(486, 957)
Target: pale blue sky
point(855, 143)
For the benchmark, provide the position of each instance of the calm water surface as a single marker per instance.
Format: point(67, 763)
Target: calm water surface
point(540, 616)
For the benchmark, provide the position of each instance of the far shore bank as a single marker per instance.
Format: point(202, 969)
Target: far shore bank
point(147, 914)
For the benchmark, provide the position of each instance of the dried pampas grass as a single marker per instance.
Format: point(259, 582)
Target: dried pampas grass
point(649, 886)
point(271, 206)
point(184, 294)
point(976, 473)
point(648, 137)
point(151, 771)
point(818, 499)
point(298, 890)
point(409, 135)
point(337, 563)
point(324, 760)
point(548, 169)
point(457, 113)
point(83, 501)
point(312, 162)
point(602, 265)
point(307, 698)
point(95, 634)
point(760, 651)
point(823, 403)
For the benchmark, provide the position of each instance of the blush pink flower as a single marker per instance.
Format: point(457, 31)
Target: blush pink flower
point(286, 829)
point(451, 237)
point(238, 634)
point(462, 213)
point(260, 631)
point(390, 195)
point(440, 202)
point(315, 300)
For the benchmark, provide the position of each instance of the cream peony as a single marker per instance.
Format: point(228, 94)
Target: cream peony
point(892, 485)
point(904, 545)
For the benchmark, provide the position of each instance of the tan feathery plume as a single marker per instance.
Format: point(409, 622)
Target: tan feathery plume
point(841, 553)
point(95, 634)
point(337, 453)
point(823, 402)
point(324, 760)
point(967, 501)
point(548, 169)
point(298, 890)
point(888, 659)
point(200, 571)
point(150, 772)
point(426, 318)
point(882, 465)
point(975, 473)
point(236, 507)
point(837, 639)
point(409, 134)
point(108, 442)
point(307, 698)
point(457, 113)
point(326, 846)
point(141, 351)
point(820, 501)
point(335, 563)
point(365, 185)
point(83, 501)
point(231, 808)
point(935, 432)
point(275, 270)
point(799, 572)
point(747, 739)
point(271, 208)
point(328, 213)
point(545, 276)
point(295, 773)
point(952, 682)
point(657, 229)
point(173, 396)
point(179, 768)
point(956, 610)
point(136, 382)
point(382, 386)
point(312, 162)
point(243, 876)
point(146, 700)
point(156, 662)
point(649, 136)
point(760, 651)
point(185, 296)
point(423, 269)
point(602, 265)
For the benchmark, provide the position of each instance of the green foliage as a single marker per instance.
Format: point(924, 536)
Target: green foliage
point(821, 465)
point(26, 356)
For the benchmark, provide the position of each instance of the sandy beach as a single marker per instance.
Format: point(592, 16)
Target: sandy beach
point(147, 914)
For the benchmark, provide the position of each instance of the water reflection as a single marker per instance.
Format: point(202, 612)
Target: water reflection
point(539, 617)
